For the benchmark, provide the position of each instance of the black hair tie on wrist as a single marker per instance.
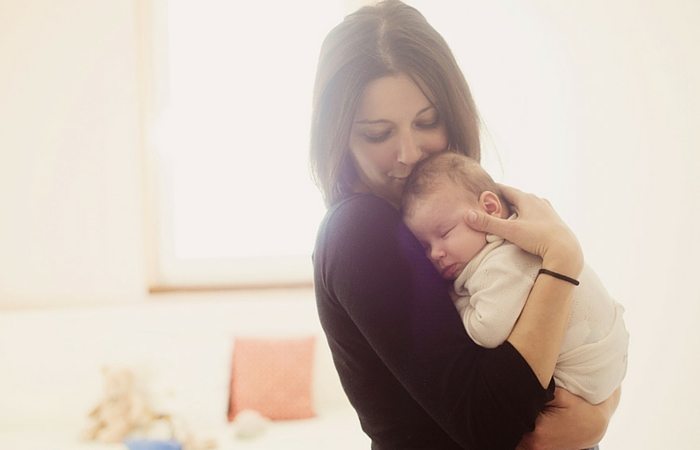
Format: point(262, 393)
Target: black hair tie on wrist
point(560, 276)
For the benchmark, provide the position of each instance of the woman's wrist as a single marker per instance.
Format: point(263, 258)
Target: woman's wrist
point(568, 261)
point(570, 422)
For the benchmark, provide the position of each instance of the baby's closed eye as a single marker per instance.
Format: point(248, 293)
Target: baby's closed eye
point(447, 231)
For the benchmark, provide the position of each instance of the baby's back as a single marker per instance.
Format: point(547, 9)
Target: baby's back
point(593, 359)
point(592, 312)
point(491, 291)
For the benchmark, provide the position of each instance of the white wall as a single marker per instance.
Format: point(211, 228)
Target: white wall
point(592, 104)
point(70, 173)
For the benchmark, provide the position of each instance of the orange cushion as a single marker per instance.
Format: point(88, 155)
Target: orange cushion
point(273, 377)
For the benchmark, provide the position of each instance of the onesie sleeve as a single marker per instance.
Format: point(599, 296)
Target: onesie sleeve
point(498, 290)
point(370, 268)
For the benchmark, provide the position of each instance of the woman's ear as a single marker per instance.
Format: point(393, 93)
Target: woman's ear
point(491, 204)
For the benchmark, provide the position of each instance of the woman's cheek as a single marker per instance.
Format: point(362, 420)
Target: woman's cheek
point(438, 139)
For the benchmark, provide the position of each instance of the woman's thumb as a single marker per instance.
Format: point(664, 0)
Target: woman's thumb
point(486, 223)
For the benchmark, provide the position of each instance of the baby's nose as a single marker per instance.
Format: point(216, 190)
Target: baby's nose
point(436, 254)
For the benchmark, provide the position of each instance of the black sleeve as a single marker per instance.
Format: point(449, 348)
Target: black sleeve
point(378, 294)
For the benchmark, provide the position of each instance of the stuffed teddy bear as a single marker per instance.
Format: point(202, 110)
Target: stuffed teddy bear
point(121, 410)
point(124, 411)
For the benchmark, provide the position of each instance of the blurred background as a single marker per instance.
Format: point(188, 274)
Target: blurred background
point(154, 182)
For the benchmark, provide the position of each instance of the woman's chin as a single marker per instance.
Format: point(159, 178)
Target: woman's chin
point(393, 197)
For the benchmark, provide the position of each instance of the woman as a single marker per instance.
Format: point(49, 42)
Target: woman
point(388, 93)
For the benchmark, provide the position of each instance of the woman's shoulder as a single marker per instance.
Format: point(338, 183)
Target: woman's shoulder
point(359, 212)
point(359, 227)
point(360, 201)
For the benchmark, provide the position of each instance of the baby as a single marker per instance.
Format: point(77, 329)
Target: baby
point(492, 277)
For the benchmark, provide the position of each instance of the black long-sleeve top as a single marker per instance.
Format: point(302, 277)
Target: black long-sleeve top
point(415, 378)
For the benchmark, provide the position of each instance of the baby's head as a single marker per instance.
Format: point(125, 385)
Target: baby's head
point(437, 195)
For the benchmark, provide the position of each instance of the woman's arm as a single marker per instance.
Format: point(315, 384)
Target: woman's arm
point(399, 346)
point(570, 422)
point(539, 332)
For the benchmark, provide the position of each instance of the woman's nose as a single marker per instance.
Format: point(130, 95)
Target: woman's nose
point(409, 152)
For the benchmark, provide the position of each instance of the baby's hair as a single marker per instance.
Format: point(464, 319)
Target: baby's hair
point(460, 169)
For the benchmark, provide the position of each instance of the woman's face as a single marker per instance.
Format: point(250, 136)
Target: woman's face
point(395, 126)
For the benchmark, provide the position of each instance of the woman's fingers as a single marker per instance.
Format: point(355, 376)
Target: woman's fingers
point(509, 192)
point(481, 221)
point(512, 195)
point(538, 229)
point(516, 197)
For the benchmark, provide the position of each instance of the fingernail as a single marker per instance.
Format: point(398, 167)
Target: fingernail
point(471, 216)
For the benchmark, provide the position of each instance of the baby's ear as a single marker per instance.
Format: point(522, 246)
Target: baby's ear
point(491, 204)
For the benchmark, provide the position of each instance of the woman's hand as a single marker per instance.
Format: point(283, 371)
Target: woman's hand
point(569, 422)
point(538, 229)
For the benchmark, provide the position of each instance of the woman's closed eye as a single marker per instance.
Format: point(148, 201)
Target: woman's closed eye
point(375, 133)
point(429, 123)
point(377, 137)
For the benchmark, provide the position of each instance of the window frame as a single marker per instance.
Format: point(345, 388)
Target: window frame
point(163, 274)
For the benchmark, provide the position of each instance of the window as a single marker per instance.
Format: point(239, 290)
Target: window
point(231, 89)
point(234, 200)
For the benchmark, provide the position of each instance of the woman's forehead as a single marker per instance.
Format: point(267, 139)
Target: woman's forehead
point(390, 98)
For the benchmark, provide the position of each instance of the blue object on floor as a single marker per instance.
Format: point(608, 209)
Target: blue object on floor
point(149, 444)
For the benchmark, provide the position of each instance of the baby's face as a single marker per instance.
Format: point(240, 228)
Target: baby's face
point(438, 222)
